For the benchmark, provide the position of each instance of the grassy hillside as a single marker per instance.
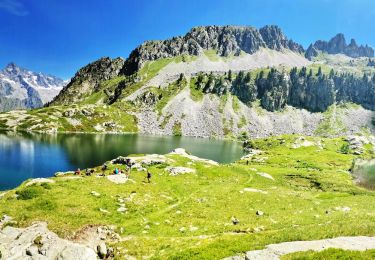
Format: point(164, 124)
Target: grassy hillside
point(75, 118)
point(189, 216)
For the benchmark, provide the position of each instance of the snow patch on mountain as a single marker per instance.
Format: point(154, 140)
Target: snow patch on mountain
point(22, 89)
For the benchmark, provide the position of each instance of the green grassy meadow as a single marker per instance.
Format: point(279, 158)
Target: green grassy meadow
point(190, 216)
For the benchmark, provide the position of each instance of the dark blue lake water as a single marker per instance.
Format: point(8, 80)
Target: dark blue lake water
point(25, 155)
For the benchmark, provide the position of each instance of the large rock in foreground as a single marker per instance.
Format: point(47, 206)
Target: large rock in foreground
point(37, 242)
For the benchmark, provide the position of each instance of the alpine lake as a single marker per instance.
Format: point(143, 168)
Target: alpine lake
point(31, 155)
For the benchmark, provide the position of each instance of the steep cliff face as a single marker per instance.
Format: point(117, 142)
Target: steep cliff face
point(338, 45)
point(226, 40)
point(87, 80)
point(300, 88)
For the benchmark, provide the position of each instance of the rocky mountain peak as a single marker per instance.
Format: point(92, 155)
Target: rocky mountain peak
point(87, 79)
point(338, 45)
point(103, 69)
point(12, 68)
point(353, 43)
point(226, 40)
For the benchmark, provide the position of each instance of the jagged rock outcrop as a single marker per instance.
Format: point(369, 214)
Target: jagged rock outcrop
point(23, 89)
point(371, 63)
point(226, 40)
point(88, 79)
point(338, 45)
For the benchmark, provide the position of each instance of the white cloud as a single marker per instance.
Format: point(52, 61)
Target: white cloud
point(14, 7)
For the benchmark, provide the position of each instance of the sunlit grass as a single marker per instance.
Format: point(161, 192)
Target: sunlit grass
point(189, 216)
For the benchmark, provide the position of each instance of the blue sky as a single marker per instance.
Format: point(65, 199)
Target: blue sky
point(60, 36)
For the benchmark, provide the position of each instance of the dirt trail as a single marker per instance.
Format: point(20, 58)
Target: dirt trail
point(275, 251)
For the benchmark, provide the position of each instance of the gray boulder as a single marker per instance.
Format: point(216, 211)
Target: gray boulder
point(37, 242)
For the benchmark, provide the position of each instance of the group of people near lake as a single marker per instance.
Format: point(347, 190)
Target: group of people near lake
point(120, 171)
point(88, 172)
point(116, 171)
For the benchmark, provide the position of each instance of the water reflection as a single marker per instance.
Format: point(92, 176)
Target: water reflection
point(30, 155)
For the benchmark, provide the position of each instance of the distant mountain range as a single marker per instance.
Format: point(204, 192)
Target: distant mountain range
point(24, 89)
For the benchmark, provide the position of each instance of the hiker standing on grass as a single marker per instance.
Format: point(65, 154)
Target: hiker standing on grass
point(149, 175)
point(127, 169)
point(104, 168)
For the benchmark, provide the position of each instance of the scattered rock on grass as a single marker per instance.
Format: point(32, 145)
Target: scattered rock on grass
point(174, 171)
point(259, 213)
point(104, 211)
point(94, 193)
point(122, 209)
point(235, 221)
point(39, 180)
point(153, 161)
point(118, 178)
point(265, 175)
point(255, 190)
point(251, 153)
point(59, 174)
point(182, 230)
point(3, 194)
point(258, 229)
point(192, 228)
point(123, 160)
point(69, 113)
point(302, 142)
point(138, 167)
point(343, 209)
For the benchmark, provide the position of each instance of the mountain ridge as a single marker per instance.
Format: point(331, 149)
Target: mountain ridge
point(226, 40)
point(338, 45)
